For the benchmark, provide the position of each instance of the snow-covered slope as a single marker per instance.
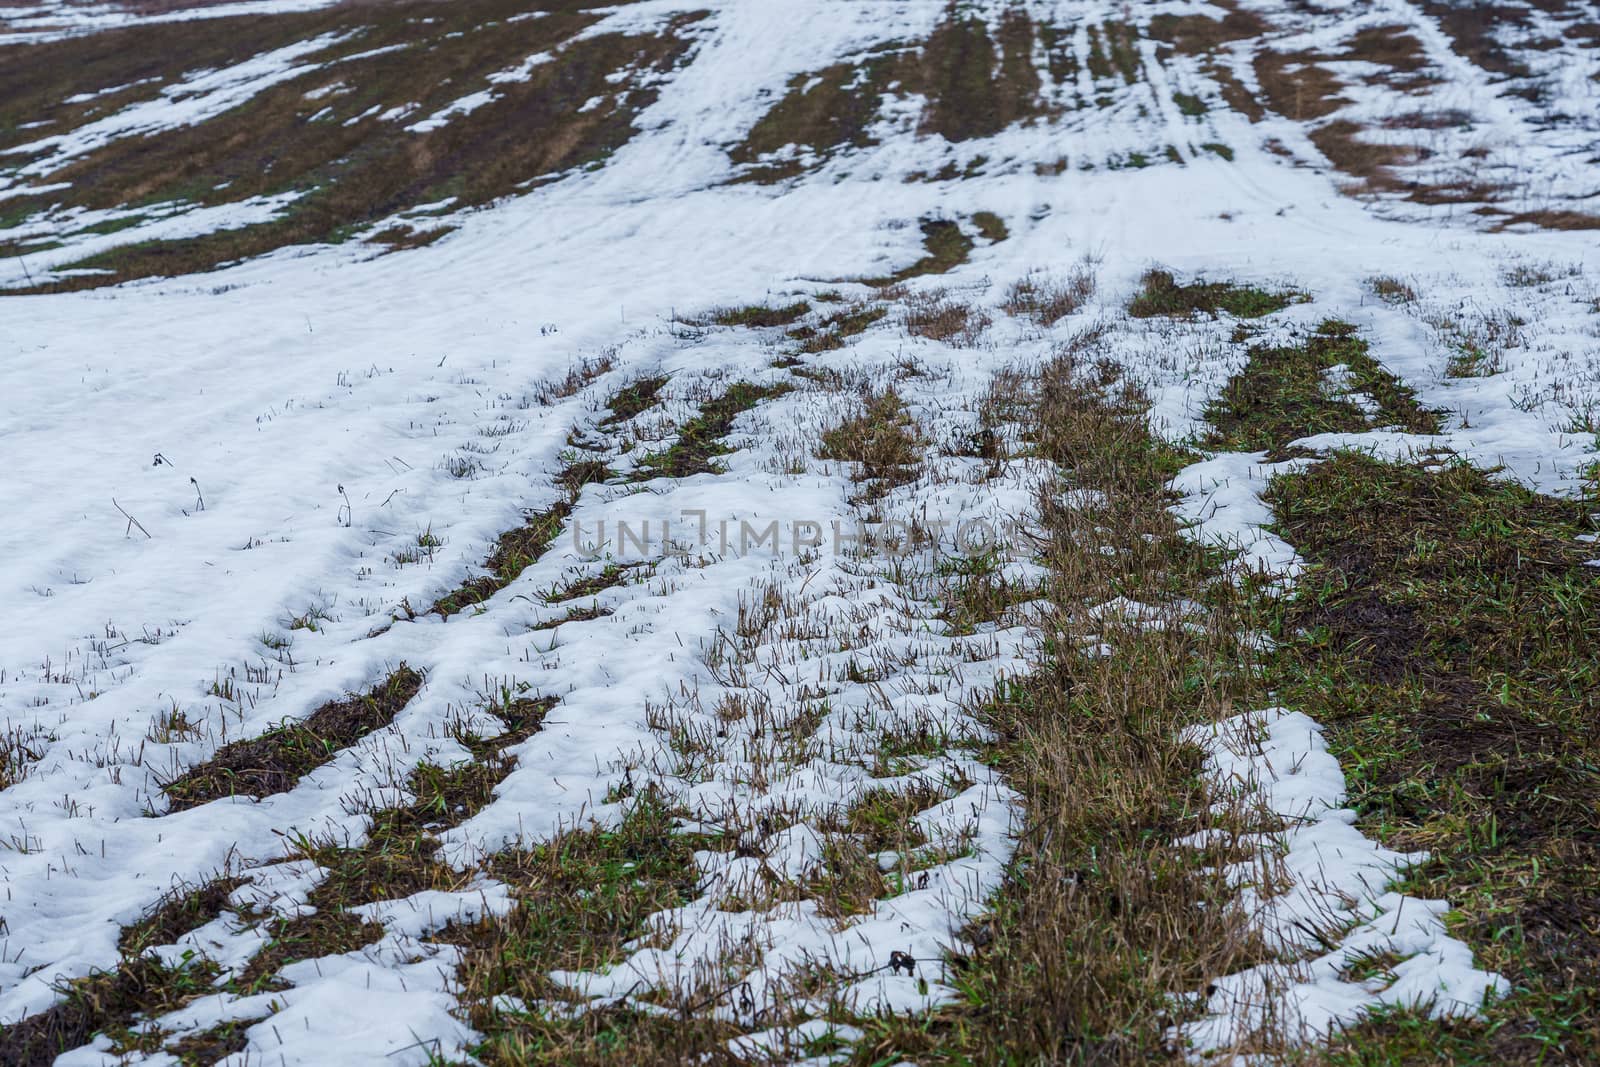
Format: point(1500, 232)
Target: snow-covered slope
point(227, 492)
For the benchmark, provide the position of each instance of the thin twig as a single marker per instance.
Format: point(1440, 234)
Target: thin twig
point(132, 522)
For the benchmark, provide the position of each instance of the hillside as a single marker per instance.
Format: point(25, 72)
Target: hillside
point(800, 531)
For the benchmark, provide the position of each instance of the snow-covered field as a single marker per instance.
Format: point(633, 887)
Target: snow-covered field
point(229, 497)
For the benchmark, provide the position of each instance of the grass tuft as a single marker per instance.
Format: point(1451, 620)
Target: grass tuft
point(882, 441)
point(1047, 298)
point(1162, 295)
point(700, 440)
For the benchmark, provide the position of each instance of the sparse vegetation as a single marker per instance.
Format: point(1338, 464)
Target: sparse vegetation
point(684, 819)
point(973, 79)
point(761, 316)
point(700, 440)
point(834, 330)
point(937, 315)
point(1098, 924)
point(351, 170)
point(1162, 295)
point(275, 761)
point(882, 441)
point(1284, 392)
point(946, 245)
point(580, 898)
point(1392, 290)
point(1046, 298)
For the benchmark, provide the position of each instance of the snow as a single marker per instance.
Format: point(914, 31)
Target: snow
point(287, 386)
point(53, 19)
point(1276, 761)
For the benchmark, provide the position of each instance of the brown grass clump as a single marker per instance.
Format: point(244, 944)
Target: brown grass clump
point(1473, 30)
point(976, 85)
point(1551, 219)
point(1195, 35)
point(974, 81)
point(1387, 46)
point(933, 314)
point(1296, 87)
point(882, 440)
point(1045, 298)
point(1341, 143)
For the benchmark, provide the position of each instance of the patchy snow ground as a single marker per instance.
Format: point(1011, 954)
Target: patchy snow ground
point(315, 411)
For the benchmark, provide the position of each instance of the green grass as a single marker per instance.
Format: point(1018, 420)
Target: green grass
point(632, 400)
point(1448, 637)
point(700, 440)
point(990, 227)
point(761, 316)
point(276, 760)
point(1283, 393)
point(581, 898)
point(834, 330)
point(1162, 295)
point(945, 248)
point(520, 547)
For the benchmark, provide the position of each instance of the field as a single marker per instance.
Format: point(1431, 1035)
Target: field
point(799, 532)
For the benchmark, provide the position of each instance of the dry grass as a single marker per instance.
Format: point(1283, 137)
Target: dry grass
point(1200, 35)
point(1296, 86)
point(1046, 298)
point(1392, 290)
point(578, 378)
point(103, 1002)
point(1551, 219)
point(974, 80)
point(881, 440)
point(352, 168)
point(1475, 341)
point(935, 315)
point(1370, 162)
point(1103, 918)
